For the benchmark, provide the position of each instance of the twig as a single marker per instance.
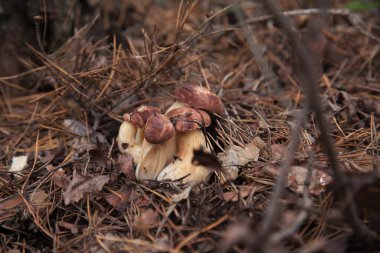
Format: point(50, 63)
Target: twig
point(339, 12)
point(305, 207)
point(309, 84)
point(274, 206)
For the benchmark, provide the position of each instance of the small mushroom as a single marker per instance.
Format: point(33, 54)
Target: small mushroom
point(158, 147)
point(189, 137)
point(199, 97)
point(131, 132)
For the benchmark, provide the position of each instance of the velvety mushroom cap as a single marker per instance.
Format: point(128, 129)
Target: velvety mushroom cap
point(158, 129)
point(187, 119)
point(140, 116)
point(199, 97)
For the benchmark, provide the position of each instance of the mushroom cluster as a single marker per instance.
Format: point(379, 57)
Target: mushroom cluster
point(162, 145)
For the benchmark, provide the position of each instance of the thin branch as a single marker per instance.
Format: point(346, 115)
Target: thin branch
point(309, 85)
point(338, 12)
point(274, 206)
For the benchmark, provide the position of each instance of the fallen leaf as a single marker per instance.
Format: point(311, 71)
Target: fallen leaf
point(239, 156)
point(271, 170)
point(120, 199)
point(81, 185)
point(77, 127)
point(318, 180)
point(235, 156)
point(39, 199)
point(142, 201)
point(18, 163)
point(59, 177)
point(230, 196)
point(278, 152)
point(146, 220)
point(82, 130)
point(125, 165)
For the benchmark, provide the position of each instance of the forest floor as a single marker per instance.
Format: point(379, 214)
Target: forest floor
point(69, 70)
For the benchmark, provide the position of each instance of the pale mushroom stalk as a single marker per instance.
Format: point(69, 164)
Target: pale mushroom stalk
point(158, 147)
point(182, 166)
point(154, 158)
point(128, 140)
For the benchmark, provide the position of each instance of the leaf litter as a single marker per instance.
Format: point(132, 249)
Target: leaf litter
point(63, 112)
point(80, 186)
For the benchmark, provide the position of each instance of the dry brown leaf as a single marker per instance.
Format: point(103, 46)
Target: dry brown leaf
point(77, 127)
point(235, 156)
point(278, 152)
point(120, 199)
point(146, 220)
point(81, 185)
point(59, 177)
point(318, 180)
point(39, 199)
point(271, 169)
point(125, 165)
point(142, 201)
point(239, 156)
point(230, 196)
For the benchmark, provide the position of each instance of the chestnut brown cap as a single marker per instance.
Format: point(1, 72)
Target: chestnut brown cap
point(158, 129)
point(199, 97)
point(187, 119)
point(139, 117)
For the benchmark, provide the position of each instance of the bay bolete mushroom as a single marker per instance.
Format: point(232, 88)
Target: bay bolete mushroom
point(199, 97)
point(131, 131)
point(158, 147)
point(189, 137)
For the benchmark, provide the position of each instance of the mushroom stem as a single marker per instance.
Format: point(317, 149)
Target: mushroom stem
point(154, 158)
point(158, 147)
point(128, 140)
point(182, 166)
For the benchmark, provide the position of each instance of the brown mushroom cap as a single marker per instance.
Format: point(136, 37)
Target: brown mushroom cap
point(139, 117)
point(187, 119)
point(199, 97)
point(158, 129)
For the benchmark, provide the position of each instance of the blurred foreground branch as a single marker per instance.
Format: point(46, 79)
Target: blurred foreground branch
point(308, 82)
